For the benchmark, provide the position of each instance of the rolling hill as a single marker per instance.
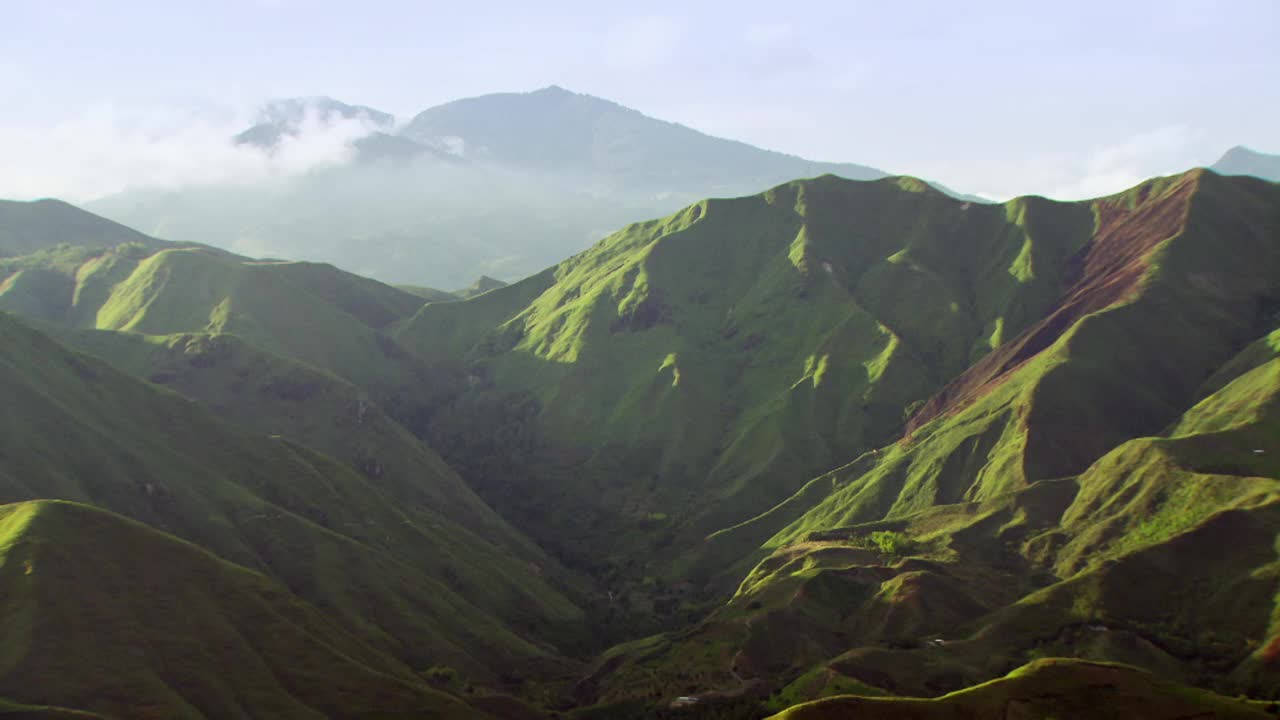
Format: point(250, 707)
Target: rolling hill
point(674, 383)
point(1038, 502)
point(1059, 689)
point(390, 555)
point(837, 437)
point(106, 615)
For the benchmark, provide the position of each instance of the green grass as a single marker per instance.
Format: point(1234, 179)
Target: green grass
point(1058, 688)
point(980, 486)
point(107, 615)
point(801, 324)
point(402, 565)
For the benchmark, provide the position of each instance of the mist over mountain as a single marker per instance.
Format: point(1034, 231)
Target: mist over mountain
point(835, 437)
point(500, 185)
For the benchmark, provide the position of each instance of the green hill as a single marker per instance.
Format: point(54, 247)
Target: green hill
point(108, 615)
point(838, 437)
point(1062, 689)
point(684, 374)
point(1023, 514)
point(393, 560)
point(313, 313)
point(27, 227)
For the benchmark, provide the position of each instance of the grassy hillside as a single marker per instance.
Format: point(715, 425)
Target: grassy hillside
point(1062, 689)
point(687, 374)
point(401, 572)
point(27, 227)
point(881, 582)
point(105, 614)
point(313, 313)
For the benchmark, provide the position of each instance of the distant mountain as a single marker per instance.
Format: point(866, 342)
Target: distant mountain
point(1241, 160)
point(285, 117)
point(555, 130)
point(501, 185)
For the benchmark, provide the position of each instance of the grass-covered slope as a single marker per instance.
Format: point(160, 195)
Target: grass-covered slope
point(314, 313)
point(1061, 689)
point(685, 374)
point(27, 227)
point(402, 573)
point(1160, 554)
point(106, 615)
point(681, 375)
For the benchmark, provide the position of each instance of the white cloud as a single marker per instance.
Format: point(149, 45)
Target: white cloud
point(1094, 172)
point(108, 149)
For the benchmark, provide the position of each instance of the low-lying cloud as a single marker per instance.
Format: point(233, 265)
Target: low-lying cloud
point(1101, 170)
point(108, 149)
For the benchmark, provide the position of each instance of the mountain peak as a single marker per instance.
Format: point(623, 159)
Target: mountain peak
point(1241, 160)
point(552, 90)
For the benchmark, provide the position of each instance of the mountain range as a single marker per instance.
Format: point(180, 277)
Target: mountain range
point(839, 447)
point(501, 185)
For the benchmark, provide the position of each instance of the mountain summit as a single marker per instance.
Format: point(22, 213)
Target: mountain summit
point(558, 130)
point(502, 185)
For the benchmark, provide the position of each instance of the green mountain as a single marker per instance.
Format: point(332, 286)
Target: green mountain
point(1068, 494)
point(838, 437)
point(110, 616)
point(313, 313)
point(679, 377)
point(28, 227)
point(405, 558)
point(673, 385)
point(1241, 160)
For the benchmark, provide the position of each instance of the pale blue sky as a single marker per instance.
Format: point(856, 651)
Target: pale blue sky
point(994, 97)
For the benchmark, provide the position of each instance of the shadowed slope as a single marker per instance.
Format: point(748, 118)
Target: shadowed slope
point(390, 564)
point(105, 614)
point(691, 368)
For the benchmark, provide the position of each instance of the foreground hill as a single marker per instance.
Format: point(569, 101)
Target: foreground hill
point(107, 615)
point(401, 564)
point(1062, 689)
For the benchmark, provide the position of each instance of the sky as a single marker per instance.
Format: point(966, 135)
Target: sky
point(1069, 100)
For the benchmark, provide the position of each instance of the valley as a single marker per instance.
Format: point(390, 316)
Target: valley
point(837, 437)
